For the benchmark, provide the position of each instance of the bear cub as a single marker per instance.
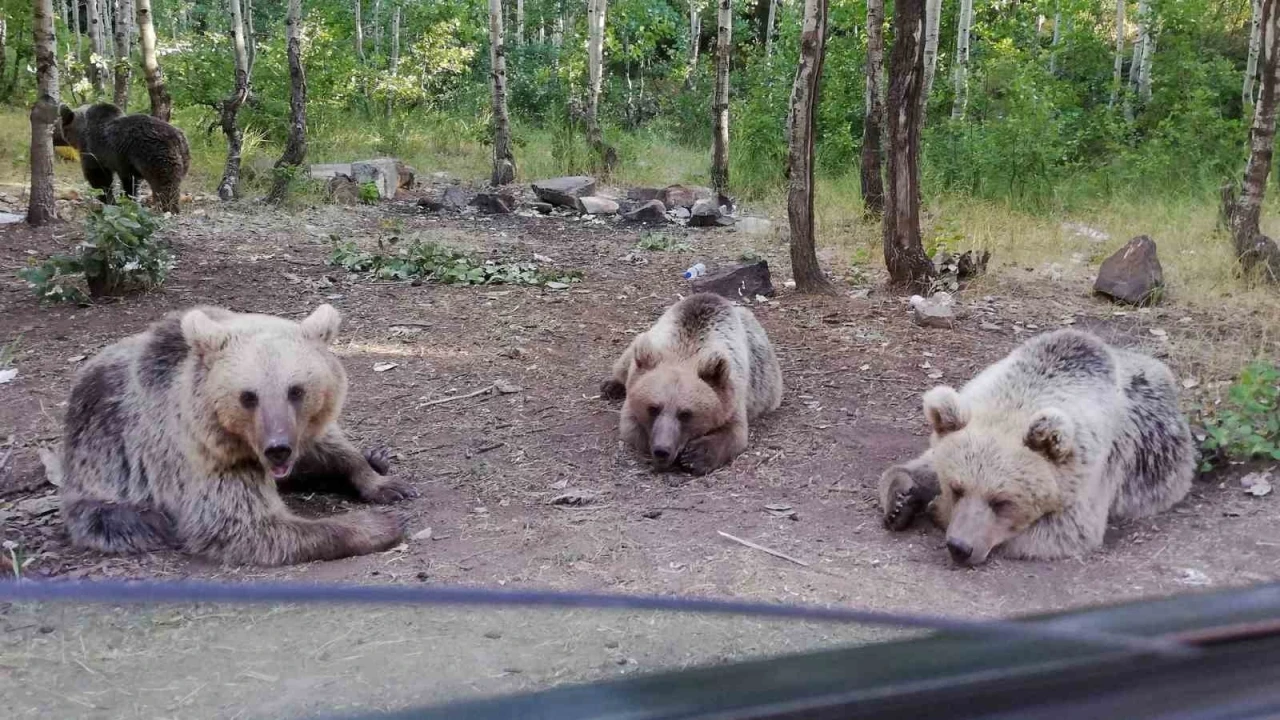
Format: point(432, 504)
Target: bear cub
point(1037, 452)
point(132, 146)
point(176, 438)
point(693, 382)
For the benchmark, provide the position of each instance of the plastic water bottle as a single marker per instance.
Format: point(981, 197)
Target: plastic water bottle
point(696, 271)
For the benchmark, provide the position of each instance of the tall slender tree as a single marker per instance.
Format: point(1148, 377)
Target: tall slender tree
point(295, 149)
point(720, 104)
point(1255, 250)
point(504, 161)
point(519, 22)
point(97, 50)
point(1255, 44)
point(75, 23)
point(801, 126)
point(41, 209)
point(771, 27)
point(964, 25)
point(161, 103)
point(695, 35)
point(1053, 44)
point(903, 252)
point(123, 68)
point(932, 24)
point(1117, 72)
point(229, 188)
point(393, 63)
point(358, 23)
point(605, 157)
point(873, 117)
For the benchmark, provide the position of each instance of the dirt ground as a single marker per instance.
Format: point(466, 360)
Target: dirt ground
point(487, 467)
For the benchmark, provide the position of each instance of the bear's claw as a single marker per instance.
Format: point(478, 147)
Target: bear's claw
point(379, 459)
point(388, 492)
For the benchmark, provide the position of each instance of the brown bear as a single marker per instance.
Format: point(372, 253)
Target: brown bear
point(176, 438)
point(132, 146)
point(693, 381)
point(1037, 452)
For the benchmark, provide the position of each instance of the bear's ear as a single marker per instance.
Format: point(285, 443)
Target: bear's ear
point(322, 324)
point(714, 371)
point(945, 411)
point(1051, 434)
point(202, 333)
point(68, 115)
point(644, 356)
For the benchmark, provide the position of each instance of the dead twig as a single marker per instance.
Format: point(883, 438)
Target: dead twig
point(762, 549)
point(451, 398)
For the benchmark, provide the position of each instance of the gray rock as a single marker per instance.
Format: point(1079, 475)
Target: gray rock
point(497, 203)
point(592, 205)
point(681, 196)
point(680, 213)
point(746, 281)
point(542, 207)
point(455, 197)
point(342, 190)
point(1133, 274)
point(326, 171)
point(382, 172)
point(644, 194)
point(938, 311)
point(650, 212)
point(706, 213)
point(753, 226)
point(564, 191)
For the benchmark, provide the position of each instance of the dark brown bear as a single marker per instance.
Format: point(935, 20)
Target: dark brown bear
point(135, 147)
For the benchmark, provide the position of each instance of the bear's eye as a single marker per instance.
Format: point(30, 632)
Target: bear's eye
point(248, 399)
point(1000, 506)
point(957, 491)
point(655, 411)
point(684, 416)
point(296, 393)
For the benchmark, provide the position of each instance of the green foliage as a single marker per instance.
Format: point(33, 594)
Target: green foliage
point(661, 242)
point(369, 194)
point(434, 262)
point(1247, 425)
point(118, 254)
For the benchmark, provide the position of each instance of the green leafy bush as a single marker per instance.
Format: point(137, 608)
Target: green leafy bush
point(1247, 425)
point(661, 242)
point(431, 261)
point(119, 254)
point(369, 194)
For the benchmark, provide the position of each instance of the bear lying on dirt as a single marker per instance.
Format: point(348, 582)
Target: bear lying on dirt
point(176, 438)
point(131, 146)
point(1036, 453)
point(693, 381)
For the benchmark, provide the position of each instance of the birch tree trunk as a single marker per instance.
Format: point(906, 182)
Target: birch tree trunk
point(394, 64)
point(504, 162)
point(4, 43)
point(229, 188)
point(932, 23)
point(251, 37)
point(695, 37)
point(770, 27)
point(62, 7)
point(1255, 250)
point(1144, 75)
point(1251, 67)
point(1053, 44)
point(873, 115)
point(801, 124)
point(605, 156)
point(720, 104)
point(903, 252)
point(42, 209)
point(161, 103)
point(96, 49)
point(295, 149)
point(377, 27)
point(1118, 70)
point(963, 26)
point(359, 27)
point(519, 22)
point(75, 22)
point(123, 68)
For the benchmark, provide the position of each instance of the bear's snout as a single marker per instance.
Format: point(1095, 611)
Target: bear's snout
point(960, 551)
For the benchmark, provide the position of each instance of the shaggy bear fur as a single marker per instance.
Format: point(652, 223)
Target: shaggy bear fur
point(176, 438)
point(132, 146)
point(1037, 452)
point(693, 381)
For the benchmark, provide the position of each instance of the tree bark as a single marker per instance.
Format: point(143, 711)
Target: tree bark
point(903, 253)
point(801, 125)
point(1144, 74)
point(963, 26)
point(695, 36)
point(359, 27)
point(377, 28)
point(75, 23)
point(96, 49)
point(1118, 70)
point(1255, 44)
point(123, 68)
point(394, 64)
point(932, 25)
point(161, 103)
point(519, 22)
point(229, 188)
point(1053, 44)
point(720, 103)
point(250, 35)
point(873, 115)
point(770, 28)
point(1255, 250)
point(605, 156)
point(504, 162)
point(295, 149)
point(42, 208)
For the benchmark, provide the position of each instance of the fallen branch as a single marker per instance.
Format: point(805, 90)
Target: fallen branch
point(763, 549)
point(451, 398)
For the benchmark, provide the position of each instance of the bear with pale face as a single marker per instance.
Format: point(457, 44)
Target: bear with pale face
point(176, 438)
point(1036, 453)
